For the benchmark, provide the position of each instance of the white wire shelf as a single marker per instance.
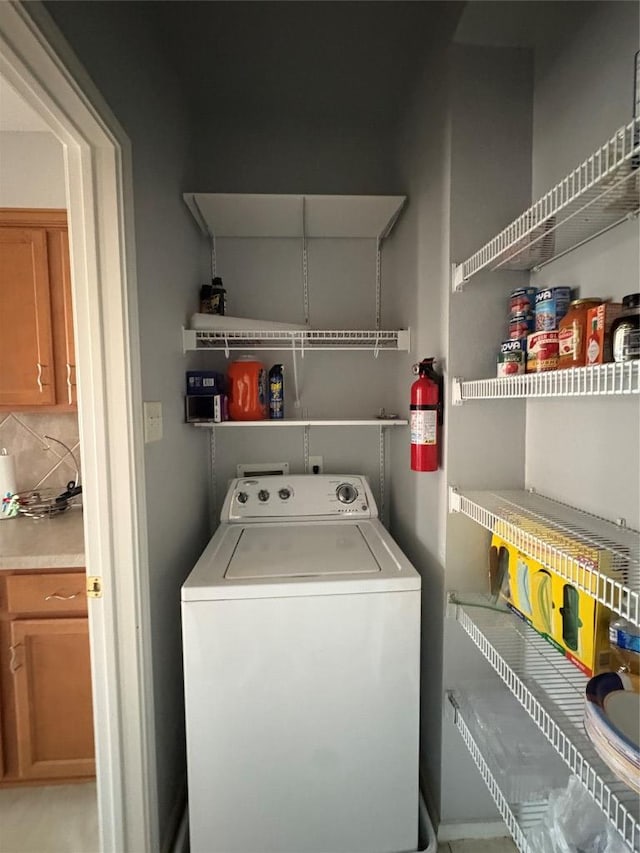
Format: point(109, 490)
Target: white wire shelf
point(601, 193)
point(376, 340)
point(552, 692)
point(518, 817)
point(597, 380)
point(292, 422)
point(268, 215)
point(595, 555)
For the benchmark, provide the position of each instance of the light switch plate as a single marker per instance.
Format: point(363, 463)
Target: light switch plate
point(152, 421)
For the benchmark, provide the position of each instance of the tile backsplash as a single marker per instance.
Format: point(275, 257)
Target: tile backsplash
point(41, 463)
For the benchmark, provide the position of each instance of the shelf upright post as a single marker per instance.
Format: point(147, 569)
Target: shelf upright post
point(305, 262)
point(305, 448)
point(378, 282)
point(382, 473)
point(213, 494)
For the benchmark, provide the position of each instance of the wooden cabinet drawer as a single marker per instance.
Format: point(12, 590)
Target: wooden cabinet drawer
point(46, 594)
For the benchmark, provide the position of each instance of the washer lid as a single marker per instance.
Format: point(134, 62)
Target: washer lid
point(272, 560)
point(301, 551)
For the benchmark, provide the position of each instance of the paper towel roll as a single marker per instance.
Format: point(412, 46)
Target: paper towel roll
point(7, 479)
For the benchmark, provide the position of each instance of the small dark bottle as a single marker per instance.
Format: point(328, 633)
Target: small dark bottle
point(276, 392)
point(625, 331)
point(218, 296)
point(206, 294)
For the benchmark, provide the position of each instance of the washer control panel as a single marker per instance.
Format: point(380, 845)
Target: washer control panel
point(346, 493)
point(299, 497)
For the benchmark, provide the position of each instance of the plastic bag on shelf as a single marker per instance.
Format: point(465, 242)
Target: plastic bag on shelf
point(573, 823)
point(524, 763)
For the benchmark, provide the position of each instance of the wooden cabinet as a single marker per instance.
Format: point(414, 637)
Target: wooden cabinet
point(47, 713)
point(37, 370)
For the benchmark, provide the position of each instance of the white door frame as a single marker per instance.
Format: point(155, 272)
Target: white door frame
point(38, 62)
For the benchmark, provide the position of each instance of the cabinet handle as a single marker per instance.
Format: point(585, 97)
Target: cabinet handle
point(70, 385)
point(59, 597)
point(14, 666)
point(41, 384)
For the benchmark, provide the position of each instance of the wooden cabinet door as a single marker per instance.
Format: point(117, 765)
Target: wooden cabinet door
point(62, 316)
point(26, 366)
point(51, 675)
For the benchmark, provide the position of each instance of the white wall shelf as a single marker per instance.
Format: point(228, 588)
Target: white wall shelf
point(376, 340)
point(595, 555)
point(552, 692)
point(518, 818)
point(297, 216)
point(598, 380)
point(292, 422)
point(600, 194)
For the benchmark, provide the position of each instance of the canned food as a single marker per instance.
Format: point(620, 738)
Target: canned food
point(552, 304)
point(523, 300)
point(521, 325)
point(542, 352)
point(512, 357)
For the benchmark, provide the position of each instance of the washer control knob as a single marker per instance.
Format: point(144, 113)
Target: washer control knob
point(346, 493)
point(284, 494)
point(263, 495)
point(243, 497)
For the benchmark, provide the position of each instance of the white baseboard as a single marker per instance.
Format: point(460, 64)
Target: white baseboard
point(473, 829)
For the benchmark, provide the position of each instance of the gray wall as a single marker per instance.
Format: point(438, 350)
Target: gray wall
point(490, 185)
point(264, 280)
point(114, 43)
point(418, 253)
point(31, 170)
point(583, 93)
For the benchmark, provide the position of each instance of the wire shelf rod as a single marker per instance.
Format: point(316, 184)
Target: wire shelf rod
point(616, 378)
point(506, 812)
point(551, 690)
point(600, 193)
point(599, 557)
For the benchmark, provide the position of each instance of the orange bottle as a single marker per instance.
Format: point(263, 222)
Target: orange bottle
point(247, 389)
point(572, 333)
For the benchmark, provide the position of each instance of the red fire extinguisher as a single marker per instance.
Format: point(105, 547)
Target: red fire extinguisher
point(426, 416)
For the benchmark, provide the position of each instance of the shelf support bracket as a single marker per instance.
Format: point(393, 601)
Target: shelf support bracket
point(452, 707)
point(457, 278)
point(451, 611)
point(455, 504)
point(456, 391)
point(404, 340)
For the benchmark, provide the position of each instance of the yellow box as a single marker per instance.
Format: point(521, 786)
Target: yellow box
point(569, 619)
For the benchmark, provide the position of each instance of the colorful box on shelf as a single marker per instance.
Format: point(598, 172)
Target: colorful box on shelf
point(206, 408)
point(570, 619)
point(558, 551)
point(205, 382)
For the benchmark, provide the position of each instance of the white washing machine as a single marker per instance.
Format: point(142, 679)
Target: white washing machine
point(301, 630)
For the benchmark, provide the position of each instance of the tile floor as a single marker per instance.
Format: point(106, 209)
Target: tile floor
point(63, 819)
point(49, 819)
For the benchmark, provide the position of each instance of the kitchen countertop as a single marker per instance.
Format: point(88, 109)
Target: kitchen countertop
point(43, 543)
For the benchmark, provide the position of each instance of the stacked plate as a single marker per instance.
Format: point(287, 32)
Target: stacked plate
point(612, 721)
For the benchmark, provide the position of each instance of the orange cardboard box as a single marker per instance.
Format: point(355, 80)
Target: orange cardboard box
point(599, 322)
